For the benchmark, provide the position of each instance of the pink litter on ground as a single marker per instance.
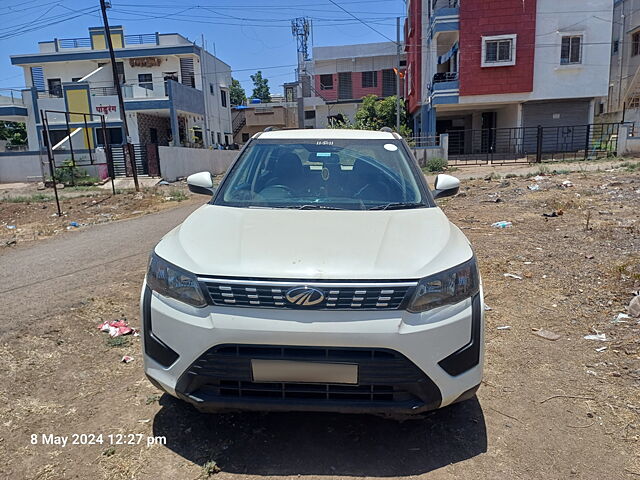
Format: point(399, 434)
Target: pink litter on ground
point(116, 328)
point(127, 359)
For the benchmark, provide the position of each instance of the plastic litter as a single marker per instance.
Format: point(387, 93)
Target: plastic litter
point(11, 227)
point(601, 349)
point(621, 318)
point(502, 224)
point(487, 308)
point(116, 328)
point(74, 224)
point(599, 337)
point(504, 327)
point(127, 359)
point(534, 188)
point(538, 178)
point(567, 184)
point(555, 213)
point(512, 275)
point(547, 334)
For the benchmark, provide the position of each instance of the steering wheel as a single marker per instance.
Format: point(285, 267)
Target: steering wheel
point(276, 188)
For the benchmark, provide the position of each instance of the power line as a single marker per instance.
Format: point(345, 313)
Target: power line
point(361, 21)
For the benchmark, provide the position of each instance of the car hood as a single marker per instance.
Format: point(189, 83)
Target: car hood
point(315, 244)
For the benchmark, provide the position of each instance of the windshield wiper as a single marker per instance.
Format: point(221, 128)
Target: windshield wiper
point(397, 206)
point(315, 207)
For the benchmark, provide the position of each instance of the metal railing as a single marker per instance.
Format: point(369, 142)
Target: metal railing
point(445, 77)
point(102, 91)
point(532, 144)
point(141, 39)
point(74, 42)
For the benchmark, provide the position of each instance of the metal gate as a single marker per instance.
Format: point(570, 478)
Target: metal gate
point(532, 144)
point(123, 170)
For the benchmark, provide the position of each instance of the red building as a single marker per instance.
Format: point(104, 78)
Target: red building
point(488, 65)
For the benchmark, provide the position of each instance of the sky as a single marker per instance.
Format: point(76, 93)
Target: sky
point(248, 35)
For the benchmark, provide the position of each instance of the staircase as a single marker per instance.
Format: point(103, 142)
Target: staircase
point(239, 121)
point(632, 92)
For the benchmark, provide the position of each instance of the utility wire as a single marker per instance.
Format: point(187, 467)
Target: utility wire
point(362, 21)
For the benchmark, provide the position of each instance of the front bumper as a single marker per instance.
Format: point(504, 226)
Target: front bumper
point(407, 363)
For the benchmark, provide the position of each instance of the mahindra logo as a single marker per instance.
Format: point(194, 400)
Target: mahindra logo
point(304, 296)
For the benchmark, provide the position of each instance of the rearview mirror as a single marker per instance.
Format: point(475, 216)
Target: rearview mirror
point(445, 186)
point(201, 182)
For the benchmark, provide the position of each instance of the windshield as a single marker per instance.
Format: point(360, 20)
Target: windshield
point(323, 174)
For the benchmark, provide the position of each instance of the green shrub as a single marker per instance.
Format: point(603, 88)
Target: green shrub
point(436, 164)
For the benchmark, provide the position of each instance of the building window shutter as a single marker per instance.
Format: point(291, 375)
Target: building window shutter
point(37, 78)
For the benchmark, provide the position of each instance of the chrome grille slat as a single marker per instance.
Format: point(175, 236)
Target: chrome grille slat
point(338, 295)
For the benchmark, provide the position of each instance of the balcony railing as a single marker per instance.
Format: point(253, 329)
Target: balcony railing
point(445, 77)
point(141, 39)
point(74, 42)
point(103, 91)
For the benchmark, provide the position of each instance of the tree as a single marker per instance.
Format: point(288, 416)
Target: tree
point(14, 132)
point(236, 92)
point(375, 113)
point(260, 87)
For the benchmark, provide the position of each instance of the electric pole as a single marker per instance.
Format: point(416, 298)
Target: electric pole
point(129, 153)
point(301, 29)
point(398, 46)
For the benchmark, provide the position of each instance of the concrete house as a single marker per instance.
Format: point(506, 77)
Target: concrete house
point(477, 64)
point(342, 75)
point(175, 92)
point(623, 101)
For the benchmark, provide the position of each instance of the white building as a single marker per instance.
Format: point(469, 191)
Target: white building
point(175, 92)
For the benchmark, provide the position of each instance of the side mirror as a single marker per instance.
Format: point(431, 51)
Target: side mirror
point(201, 182)
point(445, 186)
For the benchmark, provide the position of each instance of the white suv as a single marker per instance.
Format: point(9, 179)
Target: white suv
point(321, 276)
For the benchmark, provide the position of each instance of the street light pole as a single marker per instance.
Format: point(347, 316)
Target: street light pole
point(129, 154)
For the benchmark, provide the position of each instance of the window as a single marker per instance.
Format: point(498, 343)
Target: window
point(309, 114)
point(223, 98)
point(245, 137)
point(326, 82)
point(369, 79)
point(211, 89)
point(145, 80)
point(571, 50)
point(635, 44)
point(616, 46)
point(55, 87)
point(634, 102)
point(499, 51)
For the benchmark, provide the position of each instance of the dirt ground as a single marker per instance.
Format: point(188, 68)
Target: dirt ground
point(547, 409)
point(28, 214)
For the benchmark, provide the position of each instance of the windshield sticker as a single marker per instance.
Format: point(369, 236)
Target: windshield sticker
point(390, 146)
point(323, 154)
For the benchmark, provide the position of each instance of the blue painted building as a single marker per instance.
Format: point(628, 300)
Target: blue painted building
point(175, 92)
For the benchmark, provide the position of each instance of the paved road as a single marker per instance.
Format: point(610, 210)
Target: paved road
point(51, 275)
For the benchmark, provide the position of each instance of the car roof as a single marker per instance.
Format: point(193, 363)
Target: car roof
point(326, 134)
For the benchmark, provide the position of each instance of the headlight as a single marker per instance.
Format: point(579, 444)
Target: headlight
point(171, 281)
point(447, 287)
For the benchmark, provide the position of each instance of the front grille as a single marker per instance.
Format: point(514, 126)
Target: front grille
point(313, 391)
point(224, 373)
point(337, 296)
